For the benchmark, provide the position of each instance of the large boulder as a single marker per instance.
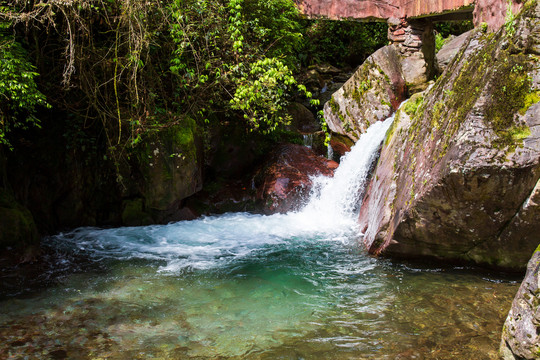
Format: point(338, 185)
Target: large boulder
point(372, 94)
point(17, 227)
point(284, 181)
point(457, 176)
point(170, 169)
point(521, 331)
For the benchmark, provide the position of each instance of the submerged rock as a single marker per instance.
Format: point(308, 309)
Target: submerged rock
point(458, 174)
point(521, 332)
point(284, 181)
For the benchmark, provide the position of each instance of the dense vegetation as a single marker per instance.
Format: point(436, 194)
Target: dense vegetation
point(123, 68)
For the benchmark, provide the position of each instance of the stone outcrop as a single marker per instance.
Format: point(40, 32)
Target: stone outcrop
point(284, 181)
point(372, 94)
point(521, 331)
point(457, 177)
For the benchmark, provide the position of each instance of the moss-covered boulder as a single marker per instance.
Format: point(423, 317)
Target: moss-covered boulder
point(458, 174)
point(17, 227)
point(521, 331)
point(372, 94)
point(170, 166)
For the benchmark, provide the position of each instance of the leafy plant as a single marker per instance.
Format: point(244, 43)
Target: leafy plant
point(19, 95)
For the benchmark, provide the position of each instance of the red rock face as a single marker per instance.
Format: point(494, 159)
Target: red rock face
point(341, 9)
point(285, 181)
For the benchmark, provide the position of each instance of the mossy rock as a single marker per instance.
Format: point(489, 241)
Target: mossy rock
point(134, 214)
point(170, 164)
point(17, 227)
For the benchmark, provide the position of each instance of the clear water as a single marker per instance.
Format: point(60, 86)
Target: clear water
point(243, 286)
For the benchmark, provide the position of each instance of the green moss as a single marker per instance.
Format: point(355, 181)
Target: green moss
point(530, 99)
point(411, 107)
point(134, 214)
point(511, 95)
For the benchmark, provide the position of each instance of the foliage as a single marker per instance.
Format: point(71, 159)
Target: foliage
point(128, 68)
point(19, 94)
point(341, 42)
point(261, 94)
point(440, 41)
point(509, 20)
point(445, 29)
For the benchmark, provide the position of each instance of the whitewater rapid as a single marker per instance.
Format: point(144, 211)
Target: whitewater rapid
point(330, 214)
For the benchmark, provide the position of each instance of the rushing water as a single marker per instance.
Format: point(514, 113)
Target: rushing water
point(244, 286)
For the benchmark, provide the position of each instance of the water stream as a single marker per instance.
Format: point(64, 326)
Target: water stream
point(244, 286)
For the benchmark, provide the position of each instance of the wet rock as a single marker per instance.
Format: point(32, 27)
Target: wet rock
point(450, 50)
point(457, 177)
point(340, 145)
point(521, 331)
point(284, 181)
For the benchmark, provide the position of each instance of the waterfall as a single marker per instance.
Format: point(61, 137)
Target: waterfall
point(308, 140)
point(337, 199)
point(330, 152)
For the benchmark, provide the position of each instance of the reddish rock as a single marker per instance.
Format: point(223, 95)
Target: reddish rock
point(284, 181)
point(493, 12)
point(340, 146)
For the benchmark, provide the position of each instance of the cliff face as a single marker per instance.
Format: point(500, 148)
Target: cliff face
point(458, 176)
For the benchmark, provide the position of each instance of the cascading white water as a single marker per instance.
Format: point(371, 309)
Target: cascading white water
point(335, 200)
point(308, 140)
